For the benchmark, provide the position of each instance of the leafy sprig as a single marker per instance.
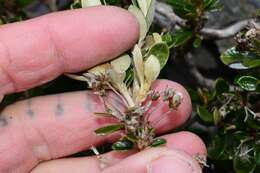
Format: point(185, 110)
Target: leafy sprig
point(130, 77)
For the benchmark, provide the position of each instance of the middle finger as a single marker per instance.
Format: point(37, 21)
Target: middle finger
point(60, 125)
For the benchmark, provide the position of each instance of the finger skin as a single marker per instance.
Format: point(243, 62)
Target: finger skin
point(157, 160)
point(55, 126)
point(188, 142)
point(180, 141)
point(176, 118)
point(82, 165)
point(38, 50)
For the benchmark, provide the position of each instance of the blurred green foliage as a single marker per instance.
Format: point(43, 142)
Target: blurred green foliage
point(231, 108)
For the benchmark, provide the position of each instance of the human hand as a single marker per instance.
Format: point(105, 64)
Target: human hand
point(36, 134)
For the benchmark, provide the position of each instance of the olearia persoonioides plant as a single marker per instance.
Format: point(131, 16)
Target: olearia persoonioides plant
point(130, 77)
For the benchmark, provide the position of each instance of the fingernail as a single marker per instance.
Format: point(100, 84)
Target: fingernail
point(170, 164)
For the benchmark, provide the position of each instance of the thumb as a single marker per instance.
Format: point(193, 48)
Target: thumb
point(157, 160)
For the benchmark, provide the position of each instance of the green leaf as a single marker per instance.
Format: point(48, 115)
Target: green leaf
point(204, 95)
point(131, 137)
point(253, 122)
point(168, 39)
point(181, 37)
point(158, 142)
point(248, 83)
point(257, 154)
point(197, 42)
point(258, 12)
point(23, 3)
point(216, 116)
point(109, 129)
point(183, 8)
point(239, 136)
point(122, 145)
point(194, 95)
point(243, 165)
point(221, 86)
point(204, 114)
point(129, 77)
point(240, 60)
point(103, 114)
point(209, 5)
point(160, 51)
point(217, 147)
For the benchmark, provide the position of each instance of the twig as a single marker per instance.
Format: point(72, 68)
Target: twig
point(227, 32)
point(203, 81)
point(166, 11)
point(52, 5)
point(165, 17)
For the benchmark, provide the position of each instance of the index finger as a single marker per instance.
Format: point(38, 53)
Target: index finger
point(38, 50)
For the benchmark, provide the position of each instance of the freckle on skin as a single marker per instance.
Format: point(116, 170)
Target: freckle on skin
point(3, 121)
point(59, 109)
point(30, 112)
point(88, 104)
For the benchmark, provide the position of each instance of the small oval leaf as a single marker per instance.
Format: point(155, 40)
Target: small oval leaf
point(116, 78)
point(100, 69)
point(160, 51)
point(151, 68)
point(121, 64)
point(217, 117)
point(204, 114)
point(157, 37)
point(109, 129)
point(138, 63)
point(158, 142)
point(197, 42)
point(248, 83)
point(240, 60)
point(122, 145)
point(221, 86)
